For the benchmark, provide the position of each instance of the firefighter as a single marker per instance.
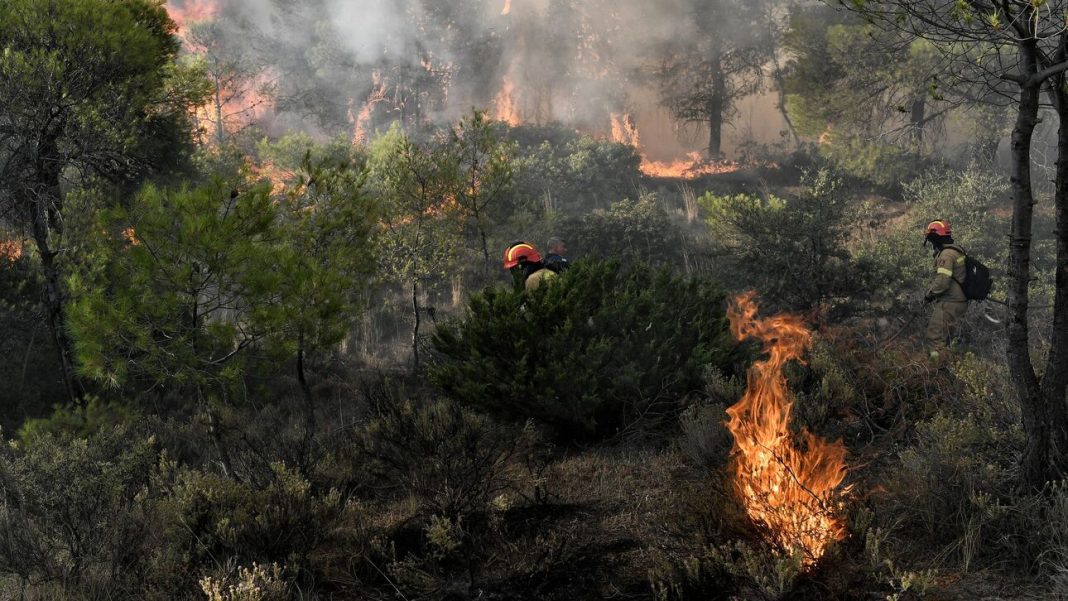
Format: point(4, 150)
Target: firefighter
point(556, 259)
point(946, 291)
point(525, 264)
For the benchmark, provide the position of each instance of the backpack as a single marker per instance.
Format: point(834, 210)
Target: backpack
point(977, 281)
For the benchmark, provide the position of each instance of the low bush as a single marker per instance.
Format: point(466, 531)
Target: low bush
point(602, 350)
point(210, 520)
point(453, 462)
point(77, 512)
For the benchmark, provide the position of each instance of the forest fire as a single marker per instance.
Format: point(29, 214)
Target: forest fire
point(191, 11)
point(624, 131)
point(237, 101)
point(505, 106)
point(362, 120)
point(787, 486)
point(692, 167)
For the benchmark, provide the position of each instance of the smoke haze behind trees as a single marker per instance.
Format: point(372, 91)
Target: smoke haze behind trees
point(569, 61)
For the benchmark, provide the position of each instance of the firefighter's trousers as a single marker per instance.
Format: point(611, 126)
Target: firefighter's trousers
point(944, 324)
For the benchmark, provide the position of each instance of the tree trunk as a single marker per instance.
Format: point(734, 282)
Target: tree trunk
point(916, 120)
point(1055, 376)
point(1034, 411)
point(715, 106)
point(45, 220)
point(309, 399)
point(415, 328)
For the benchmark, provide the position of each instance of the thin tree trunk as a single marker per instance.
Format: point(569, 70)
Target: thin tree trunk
point(1055, 376)
point(715, 106)
point(415, 328)
point(916, 120)
point(1035, 415)
point(45, 221)
point(309, 399)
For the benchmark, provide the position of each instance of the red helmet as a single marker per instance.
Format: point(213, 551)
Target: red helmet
point(519, 252)
point(940, 227)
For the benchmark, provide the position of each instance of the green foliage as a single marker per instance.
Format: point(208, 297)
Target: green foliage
point(484, 171)
point(882, 164)
point(181, 283)
point(629, 230)
point(329, 224)
point(796, 252)
point(600, 350)
point(567, 174)
point(97, 86)
point(80, 421)
point(74, 510)
point(874, 110)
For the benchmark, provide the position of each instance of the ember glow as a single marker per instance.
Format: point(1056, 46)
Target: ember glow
point(789, 486)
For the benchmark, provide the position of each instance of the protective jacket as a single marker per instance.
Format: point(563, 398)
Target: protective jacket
point(949, 274)
point(538, 278)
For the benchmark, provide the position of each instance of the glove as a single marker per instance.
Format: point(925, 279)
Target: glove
point(930, 296)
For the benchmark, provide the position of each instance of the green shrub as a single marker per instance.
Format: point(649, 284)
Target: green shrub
point(882, 164)
point(600, 350)
point(76, 512)
point(629, 230)
point(795, 251)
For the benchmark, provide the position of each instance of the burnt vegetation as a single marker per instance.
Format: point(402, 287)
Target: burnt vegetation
point(257, 344)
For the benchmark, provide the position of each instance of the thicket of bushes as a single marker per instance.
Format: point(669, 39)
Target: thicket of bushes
point(605, 348)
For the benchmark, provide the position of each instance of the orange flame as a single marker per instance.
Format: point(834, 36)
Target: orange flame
point(11, 250)
point(624, 131)
point(192, 11)
point(789, 488)
point(505, 106)
point(507, 8)
point(362, 121)
point(692, 167)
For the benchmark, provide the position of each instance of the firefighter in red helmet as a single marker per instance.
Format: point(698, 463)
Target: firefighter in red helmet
point(946, 290)
point(526, 266)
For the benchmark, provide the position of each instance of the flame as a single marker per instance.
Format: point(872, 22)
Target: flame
point(505, 107)
point(691, 167)
point(191, 11)
point(231, 108)
point(362, 120)
point(786, 486)
point(130, 235)
point(11, 250)
point(624, 131)
point(507, 8)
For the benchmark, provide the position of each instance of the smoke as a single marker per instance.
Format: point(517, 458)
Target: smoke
point(575, 62)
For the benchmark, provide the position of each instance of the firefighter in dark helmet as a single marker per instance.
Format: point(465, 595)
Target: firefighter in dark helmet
point(946, 291)
point(525, 264)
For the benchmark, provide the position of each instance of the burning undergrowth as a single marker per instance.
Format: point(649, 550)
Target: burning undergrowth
point(790, 484)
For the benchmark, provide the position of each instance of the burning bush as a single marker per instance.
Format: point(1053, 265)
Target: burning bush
point(604, 349)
